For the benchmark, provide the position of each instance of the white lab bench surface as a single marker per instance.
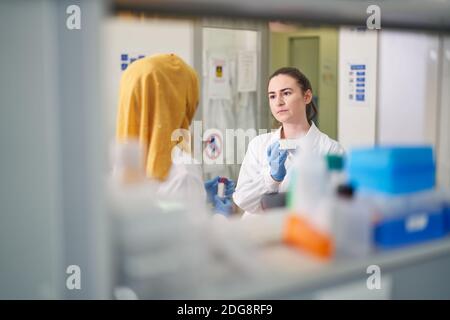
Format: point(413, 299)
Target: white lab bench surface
point(420, 271)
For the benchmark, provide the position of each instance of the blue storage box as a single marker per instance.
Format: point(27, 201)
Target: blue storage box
point(445, 197)
point(409, 229)
point(392, 170)
point(447, 217)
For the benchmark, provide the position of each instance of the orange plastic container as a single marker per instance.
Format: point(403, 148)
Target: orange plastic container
point(299, 233)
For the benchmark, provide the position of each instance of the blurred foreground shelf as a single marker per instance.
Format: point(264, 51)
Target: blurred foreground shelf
point(413, 272)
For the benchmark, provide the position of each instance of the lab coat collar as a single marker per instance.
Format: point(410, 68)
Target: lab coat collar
point(308, 141)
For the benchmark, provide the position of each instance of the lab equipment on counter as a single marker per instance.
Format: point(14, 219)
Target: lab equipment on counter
point(339, 227)
point(280, 199)
point(166, 248)
point(399, 181)
point(308, 184)
point(408, 219)
point(330, 222)
point(384, 200)
point(354, 226)
point(336, 172)
point(351, 223)
point(308, 228)
point(300, 233)
point(392, 169)
point(154, 242)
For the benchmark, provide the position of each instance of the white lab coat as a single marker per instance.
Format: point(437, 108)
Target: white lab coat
point(254, 177)
point(184, 180)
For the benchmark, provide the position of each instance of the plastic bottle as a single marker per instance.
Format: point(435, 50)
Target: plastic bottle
point(352, 227)
point(336, 173)
point(308, 184)
point(322, 218)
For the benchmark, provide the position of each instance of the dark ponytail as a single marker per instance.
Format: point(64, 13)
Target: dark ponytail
point(303, 82)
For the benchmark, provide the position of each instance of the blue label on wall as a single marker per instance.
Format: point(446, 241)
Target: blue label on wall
point(126, 60)
point(357, 75)
point(358, 67)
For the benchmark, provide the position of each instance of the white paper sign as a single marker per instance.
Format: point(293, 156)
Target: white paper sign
point(247, 71)
point(219, 78)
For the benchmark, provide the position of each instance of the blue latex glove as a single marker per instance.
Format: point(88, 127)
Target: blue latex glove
point(229, 188)
point(223, 205)
point(211, 187)
point(276, 160)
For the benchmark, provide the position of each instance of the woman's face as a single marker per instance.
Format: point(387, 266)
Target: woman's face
point(287, 102)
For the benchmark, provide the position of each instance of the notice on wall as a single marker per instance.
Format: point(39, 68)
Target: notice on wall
point(128, 58)
point(214, 146)
point(247, 71)
point(219, 78)
point(357, 83)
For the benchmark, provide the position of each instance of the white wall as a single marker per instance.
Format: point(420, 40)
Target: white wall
point(408, 93)
point(136, 37)
point(408, 82)
point(443, 158)
point(357, 120)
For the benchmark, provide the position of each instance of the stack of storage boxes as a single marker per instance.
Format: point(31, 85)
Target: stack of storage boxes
point(400, 181)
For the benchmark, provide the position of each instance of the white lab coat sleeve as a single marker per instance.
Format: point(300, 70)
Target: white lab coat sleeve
point(191, 185)
point(193, 188)
point(184, 183)
point(254, 179)
point(336, 148)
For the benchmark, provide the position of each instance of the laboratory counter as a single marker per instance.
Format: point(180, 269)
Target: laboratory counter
point(419, 271)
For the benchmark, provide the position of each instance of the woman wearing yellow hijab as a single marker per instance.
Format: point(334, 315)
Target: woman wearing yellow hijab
point(158, 95)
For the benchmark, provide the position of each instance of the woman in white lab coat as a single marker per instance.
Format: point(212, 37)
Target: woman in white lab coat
point(158, 99)
point(265, 168)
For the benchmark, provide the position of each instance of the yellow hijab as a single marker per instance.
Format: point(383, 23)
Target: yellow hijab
point(158, 94)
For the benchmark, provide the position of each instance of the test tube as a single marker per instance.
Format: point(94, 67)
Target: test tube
point(221, 187)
